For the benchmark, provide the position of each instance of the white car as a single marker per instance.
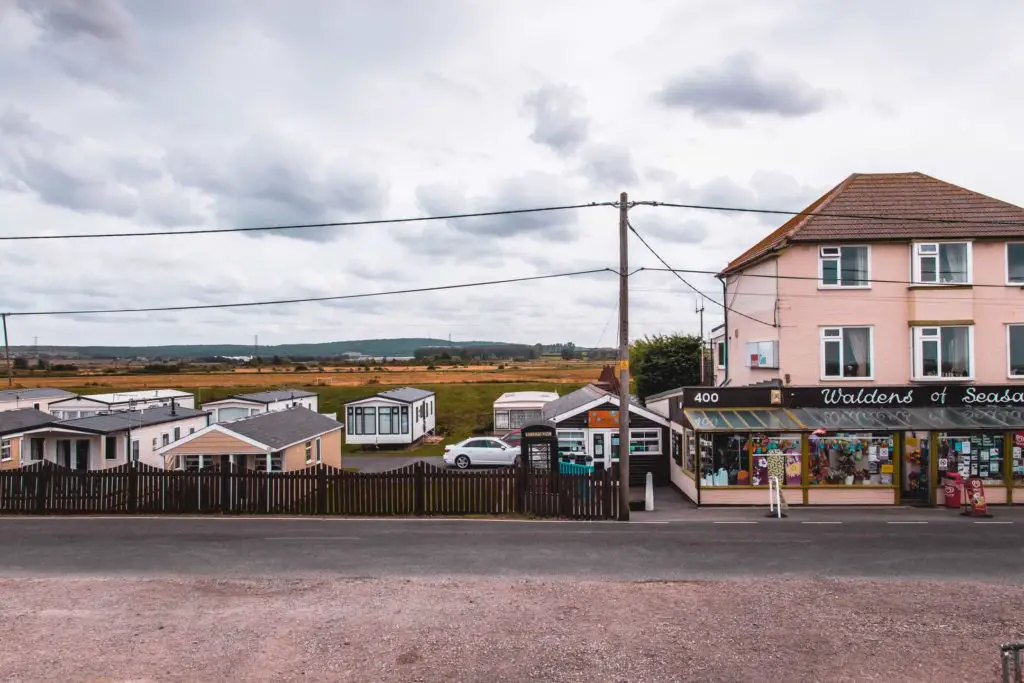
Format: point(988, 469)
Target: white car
point(480, 450)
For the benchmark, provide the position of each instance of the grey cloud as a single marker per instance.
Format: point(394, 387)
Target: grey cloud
point(269, 181)
point(766, 190)
point(739, 86)
point(672, 228)
point(557, 122)
point(102, 20)
point(609, 166)
point(476, 235)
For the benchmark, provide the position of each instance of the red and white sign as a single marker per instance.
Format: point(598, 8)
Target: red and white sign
point(975, 492)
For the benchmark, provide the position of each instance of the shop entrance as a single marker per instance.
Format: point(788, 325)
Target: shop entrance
point(915, 468)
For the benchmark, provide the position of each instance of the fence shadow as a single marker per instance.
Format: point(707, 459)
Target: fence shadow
point(419, 489)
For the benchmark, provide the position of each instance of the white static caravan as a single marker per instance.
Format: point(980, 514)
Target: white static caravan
point(516, 409)
point(88, 405)
point(245, 405)
point(391, 418)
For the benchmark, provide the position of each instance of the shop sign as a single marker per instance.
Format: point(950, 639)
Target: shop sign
point(603, 419)
point(924, 396)
point(976, 497)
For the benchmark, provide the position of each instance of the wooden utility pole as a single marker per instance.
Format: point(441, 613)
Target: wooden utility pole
point(700, 309)
point(7, 354)
point(623, 358)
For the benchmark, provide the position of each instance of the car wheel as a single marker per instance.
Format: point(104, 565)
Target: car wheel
point(462, 462)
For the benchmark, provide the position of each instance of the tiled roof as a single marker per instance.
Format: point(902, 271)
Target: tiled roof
point(13, 421)
point(899, 195)
point(282, 428)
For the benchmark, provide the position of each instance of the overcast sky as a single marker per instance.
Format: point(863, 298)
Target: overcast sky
point(138, 115)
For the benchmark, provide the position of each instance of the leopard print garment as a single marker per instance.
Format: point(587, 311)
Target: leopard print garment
point(777, 467)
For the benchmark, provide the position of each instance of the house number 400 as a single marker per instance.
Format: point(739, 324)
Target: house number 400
point(706, 397)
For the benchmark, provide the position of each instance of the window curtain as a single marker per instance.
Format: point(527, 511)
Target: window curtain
point(952, 263)
point(855, 355)
point(955, 352)
point(854, 266)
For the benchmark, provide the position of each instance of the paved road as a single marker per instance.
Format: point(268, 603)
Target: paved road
point(958, 549)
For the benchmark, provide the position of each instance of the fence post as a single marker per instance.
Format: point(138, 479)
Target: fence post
point(606, 494)
point(133, 487)
point(419, 488)
point(321, 490)
point(42, 484)
point(225, 484)
point(520, 486)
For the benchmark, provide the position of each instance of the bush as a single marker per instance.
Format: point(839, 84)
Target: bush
point(300, 367)
point(431, 366)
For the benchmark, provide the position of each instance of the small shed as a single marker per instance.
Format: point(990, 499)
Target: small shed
point(391, 418)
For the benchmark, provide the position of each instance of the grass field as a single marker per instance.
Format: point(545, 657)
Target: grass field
point(549, 372)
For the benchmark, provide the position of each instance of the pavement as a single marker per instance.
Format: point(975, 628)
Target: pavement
point(733, 544)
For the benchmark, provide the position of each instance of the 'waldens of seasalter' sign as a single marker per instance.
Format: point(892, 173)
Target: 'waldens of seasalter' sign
point(923, 396)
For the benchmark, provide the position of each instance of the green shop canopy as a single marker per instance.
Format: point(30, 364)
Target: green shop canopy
point(838, 419)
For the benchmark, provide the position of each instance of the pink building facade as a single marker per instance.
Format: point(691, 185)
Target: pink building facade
point(872, 353)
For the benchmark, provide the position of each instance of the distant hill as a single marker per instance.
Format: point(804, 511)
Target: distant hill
point(389, 348)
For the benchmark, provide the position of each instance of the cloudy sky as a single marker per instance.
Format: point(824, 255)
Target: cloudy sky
point(135, 115)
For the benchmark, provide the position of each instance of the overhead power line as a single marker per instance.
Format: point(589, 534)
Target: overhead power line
point(685, 282)
point(277, 302)
point(306, 226)
point(827, 214)
point(814, 278)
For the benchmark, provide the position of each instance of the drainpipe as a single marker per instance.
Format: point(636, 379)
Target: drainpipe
point(728, 339)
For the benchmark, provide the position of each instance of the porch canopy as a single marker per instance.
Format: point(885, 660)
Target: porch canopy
point(854, 419)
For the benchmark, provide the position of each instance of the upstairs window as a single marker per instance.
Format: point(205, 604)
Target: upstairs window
point(944, 352)
point(844, 266)
point(942, 263)
point(1015, 263)
point(846, 352)
point(720, 354)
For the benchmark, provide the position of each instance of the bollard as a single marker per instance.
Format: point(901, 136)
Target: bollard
point(649, 493)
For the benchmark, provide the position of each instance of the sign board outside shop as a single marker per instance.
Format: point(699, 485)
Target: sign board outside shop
point(975, 494)
point(603, 419)
point(929, 396)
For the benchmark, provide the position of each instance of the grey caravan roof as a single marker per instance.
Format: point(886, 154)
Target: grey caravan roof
point(275, 395)
point(13, 421)
point(107, 423)
point(283, 427)
point(26, 394)
point(406, 394)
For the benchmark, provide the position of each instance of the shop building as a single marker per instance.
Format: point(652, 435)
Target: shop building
point(850, 445)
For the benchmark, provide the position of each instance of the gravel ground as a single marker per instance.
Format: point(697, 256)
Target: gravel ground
point(504, 630)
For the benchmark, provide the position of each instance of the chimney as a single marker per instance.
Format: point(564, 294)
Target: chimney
point(174, 407)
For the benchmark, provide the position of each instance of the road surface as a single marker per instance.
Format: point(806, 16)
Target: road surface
point(735, 548)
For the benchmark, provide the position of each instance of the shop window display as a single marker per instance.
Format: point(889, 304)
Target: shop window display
point(1018, 459)
point(852, 459)
point(972, 455)
point(749, 459)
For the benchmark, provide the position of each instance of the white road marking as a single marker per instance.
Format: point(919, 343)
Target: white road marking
point(311, 538)
point(735, 522)
point(821, 522)
point(1000, 522)
point(905, 522)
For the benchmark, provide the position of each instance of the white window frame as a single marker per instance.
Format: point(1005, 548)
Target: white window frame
point(309, 452)
point(6, 451)
point(838, 256)
point(822, 338)
point(644, 435)
point(573, 435)
point(276, 462)
point(721, 346)
point(1009, 359)
point(1006, 262)
point(319, 452)
point(916, 254)
point(917, 358)
point(31, 451)
point(499, 423)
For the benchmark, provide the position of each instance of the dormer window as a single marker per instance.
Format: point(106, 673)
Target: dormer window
point(844, 266)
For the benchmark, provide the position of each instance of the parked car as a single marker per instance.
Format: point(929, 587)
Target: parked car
point(513, 438)
point(480, 450)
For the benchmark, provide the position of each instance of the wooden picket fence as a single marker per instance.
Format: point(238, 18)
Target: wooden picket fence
point(417, 489)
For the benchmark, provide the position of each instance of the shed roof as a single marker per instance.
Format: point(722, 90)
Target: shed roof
point(274, 395)
point(925, 204)
point(282, 428)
